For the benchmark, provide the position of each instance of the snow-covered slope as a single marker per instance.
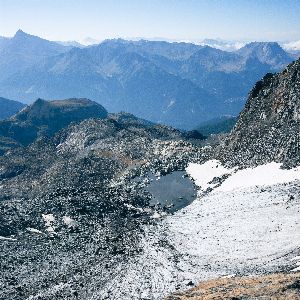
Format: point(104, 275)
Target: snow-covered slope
point(240, 227)
point(206, 175)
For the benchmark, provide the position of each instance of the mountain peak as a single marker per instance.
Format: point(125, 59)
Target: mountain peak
point(269, 53)
point(45, 118)
point(20, 33)
point(262, 45)
point(42, 109)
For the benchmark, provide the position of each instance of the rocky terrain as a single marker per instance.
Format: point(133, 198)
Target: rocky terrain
point(268, 127)
point(78, 220)
point(75, 201)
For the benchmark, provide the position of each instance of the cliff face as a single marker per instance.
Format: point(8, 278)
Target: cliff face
point(268, 127)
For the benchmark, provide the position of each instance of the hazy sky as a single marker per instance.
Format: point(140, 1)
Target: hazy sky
point(174, 19)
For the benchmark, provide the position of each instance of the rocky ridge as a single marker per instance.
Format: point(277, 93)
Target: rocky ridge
point(268, 127)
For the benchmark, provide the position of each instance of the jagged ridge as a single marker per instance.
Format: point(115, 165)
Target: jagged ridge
point(268, 127)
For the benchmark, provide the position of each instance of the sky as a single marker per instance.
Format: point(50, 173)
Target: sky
point(260, 20)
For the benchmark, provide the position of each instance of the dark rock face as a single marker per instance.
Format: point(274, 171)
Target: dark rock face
point(45, 118)
point(268, 127)
point(9, 107)
point(57, 114)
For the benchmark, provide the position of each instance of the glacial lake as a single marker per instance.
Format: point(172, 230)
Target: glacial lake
point(174, 190)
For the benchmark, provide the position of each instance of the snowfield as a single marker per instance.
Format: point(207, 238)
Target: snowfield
point(247, 225)
point(268, 174)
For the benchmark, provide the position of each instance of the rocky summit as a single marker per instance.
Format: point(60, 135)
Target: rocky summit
point(45, 118)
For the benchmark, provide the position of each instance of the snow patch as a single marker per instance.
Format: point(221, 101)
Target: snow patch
point(295, 258)
point(268, 174)
point(7, 238)
point(133, 207)
point(49, 219)
point(34, 230)
point(203, 174)
point(172, 102)
point(69, 221)
point(157, 215)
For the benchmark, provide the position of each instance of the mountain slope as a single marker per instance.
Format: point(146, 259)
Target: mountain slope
point(268, 127)
point(266, 52)
point(9, 107)
point(23, 50)
point(221, 125)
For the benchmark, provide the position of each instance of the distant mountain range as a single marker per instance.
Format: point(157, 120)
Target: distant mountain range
point(179, 84)
point(9, 107)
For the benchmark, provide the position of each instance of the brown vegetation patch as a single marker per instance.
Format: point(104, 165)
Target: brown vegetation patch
point(278, 286)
